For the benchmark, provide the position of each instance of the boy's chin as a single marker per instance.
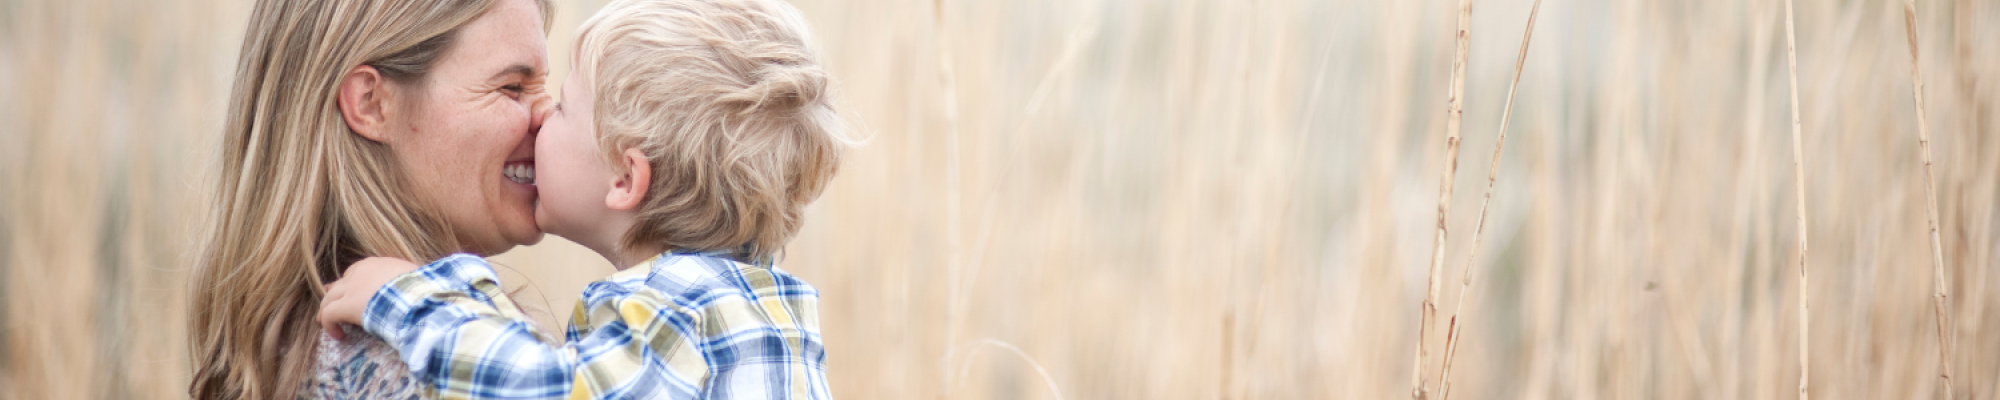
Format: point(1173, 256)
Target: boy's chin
point(541, 218)
point(545, 222)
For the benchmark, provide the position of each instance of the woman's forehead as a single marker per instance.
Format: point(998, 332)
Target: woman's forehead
point(505, 41)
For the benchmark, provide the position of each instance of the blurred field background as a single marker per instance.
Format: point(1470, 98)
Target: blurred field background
point(1190, 199)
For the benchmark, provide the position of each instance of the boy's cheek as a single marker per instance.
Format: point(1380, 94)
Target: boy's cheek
point(541, 217)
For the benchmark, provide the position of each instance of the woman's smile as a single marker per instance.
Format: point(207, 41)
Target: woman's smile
point(522, 172)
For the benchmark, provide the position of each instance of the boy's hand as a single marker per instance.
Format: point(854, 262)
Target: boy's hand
point(347, 298)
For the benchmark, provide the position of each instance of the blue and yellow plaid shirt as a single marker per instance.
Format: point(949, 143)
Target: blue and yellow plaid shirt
point(680, 325)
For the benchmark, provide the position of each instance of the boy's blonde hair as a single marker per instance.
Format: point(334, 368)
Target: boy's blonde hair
point(730, 106)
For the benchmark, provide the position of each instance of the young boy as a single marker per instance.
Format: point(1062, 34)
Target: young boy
point(688, 140)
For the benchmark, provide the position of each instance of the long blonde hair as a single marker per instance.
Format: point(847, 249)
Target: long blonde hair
point(299, 194)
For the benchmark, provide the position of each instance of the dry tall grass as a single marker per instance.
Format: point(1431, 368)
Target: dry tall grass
point(1799, 179)
point(1194, 198)
point(1485, 204)
point(1454, 120)
point(1938, 277)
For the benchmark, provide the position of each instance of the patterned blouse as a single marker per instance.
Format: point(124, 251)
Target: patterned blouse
point(363, 367)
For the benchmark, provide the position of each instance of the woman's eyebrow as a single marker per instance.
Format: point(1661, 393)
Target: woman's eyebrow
point(520, 69)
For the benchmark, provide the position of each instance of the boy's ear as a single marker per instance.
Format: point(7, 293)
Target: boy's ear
point(364, 103)
point(629, 189)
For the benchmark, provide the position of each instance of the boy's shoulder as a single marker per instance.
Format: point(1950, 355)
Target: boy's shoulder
point(696, 280)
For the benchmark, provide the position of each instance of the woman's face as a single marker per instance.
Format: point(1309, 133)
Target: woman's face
point(470, 120)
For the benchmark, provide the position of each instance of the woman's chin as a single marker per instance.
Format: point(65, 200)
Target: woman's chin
point(526, 231)
point(530, 240)
point(518, 234)
point(519, 226)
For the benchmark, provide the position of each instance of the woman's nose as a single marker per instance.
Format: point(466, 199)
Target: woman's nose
point(538, 111)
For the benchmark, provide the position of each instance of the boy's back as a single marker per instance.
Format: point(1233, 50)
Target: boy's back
point(703, 309)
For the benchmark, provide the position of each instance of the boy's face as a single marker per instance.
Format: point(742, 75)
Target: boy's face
point(571, 173)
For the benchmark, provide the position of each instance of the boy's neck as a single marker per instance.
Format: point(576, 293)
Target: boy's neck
point(622, 257)
point(609, 233)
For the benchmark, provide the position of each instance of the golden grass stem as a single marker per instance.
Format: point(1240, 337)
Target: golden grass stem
point(1492, 176)
point(1457, 110)
point(970, 354)
point(1228, 353)
point(1799, 179)
point(953, 246)
point(1938, 278)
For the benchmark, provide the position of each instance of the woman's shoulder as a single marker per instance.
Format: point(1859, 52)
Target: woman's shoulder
point(362, 367)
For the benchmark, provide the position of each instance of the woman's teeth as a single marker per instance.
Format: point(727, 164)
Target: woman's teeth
point(519, 172)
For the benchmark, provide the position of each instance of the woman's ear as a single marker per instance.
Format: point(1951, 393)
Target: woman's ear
point(628, 190)
point(364, 103)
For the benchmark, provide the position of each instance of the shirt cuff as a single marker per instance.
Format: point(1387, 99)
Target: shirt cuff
point(391, 312)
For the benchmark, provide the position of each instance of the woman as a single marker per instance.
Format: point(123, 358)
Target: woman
point(358, 127)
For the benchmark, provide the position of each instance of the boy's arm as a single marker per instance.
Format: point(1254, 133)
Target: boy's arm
point(442, 321)
point(642, 344)
point(346, 297)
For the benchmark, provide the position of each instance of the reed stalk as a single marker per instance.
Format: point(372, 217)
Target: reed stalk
point(954, 264)
point(1492, 176)
point(1799, 180)
point(1938, 279)
point(1457, 111)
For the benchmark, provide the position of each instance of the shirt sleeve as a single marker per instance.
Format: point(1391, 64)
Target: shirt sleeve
point(444, 324)
point(639, 344)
